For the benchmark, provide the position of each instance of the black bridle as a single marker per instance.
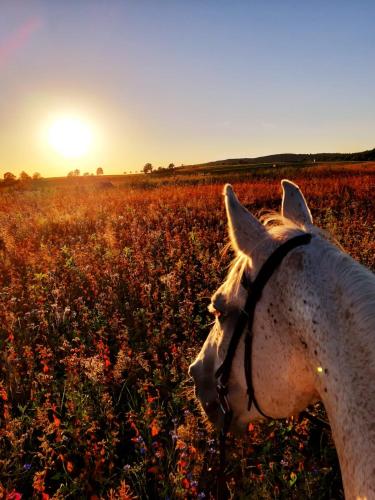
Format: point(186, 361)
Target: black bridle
point(245, 325)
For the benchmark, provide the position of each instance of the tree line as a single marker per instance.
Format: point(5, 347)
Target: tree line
point(148, 168)
point(77, 172)
point(10, 177)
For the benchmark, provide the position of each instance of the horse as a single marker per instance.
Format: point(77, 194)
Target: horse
point(312, 335)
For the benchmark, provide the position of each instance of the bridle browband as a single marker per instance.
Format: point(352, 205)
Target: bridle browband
point(245, 324)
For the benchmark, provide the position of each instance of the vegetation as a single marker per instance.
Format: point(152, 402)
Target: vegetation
point(147, 168)
point(290, 158)
point(104, 298)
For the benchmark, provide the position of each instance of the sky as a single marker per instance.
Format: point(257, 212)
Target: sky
point(186, 82)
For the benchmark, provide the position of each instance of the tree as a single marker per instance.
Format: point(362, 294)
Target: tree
point(36, 175)
point(99, 171)
point(86, 174)
point(171, 166)
point(8, 176)
point(147, 168)
point(76, 172)
point(71, 173)
point(24, 176)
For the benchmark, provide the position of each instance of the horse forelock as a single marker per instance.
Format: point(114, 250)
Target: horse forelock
point(280, 229)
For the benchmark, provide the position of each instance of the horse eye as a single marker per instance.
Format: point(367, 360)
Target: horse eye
point(220, 315)
point(213, 310)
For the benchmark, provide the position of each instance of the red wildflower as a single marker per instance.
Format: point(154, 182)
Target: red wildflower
point(154, 428)
point(185, 483)
point(14, 495)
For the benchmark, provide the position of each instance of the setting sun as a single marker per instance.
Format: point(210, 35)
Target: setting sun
point(70, 136)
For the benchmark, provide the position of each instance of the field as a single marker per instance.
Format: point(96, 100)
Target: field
point(104, 288)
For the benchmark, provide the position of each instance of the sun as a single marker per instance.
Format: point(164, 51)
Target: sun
point(70, 136)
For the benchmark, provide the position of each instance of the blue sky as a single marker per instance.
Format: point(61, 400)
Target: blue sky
point(185, 81)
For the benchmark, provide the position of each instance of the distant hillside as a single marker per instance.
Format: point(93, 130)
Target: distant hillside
point(290, 158)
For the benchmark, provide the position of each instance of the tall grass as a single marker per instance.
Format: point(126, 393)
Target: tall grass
point(103, 305)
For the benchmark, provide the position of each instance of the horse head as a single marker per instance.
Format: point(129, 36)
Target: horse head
point(312, 335)
point(282, 381)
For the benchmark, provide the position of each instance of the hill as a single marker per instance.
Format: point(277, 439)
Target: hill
point(285, 159)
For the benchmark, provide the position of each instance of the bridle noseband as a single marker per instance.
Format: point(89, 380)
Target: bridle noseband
point(245, 324)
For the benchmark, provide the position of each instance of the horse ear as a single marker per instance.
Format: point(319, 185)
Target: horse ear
point(294, 206)
point(245, 230)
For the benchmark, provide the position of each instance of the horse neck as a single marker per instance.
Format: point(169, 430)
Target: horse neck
point(339, 324)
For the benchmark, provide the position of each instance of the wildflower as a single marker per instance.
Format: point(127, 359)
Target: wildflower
point(56, 420)
point(14, 495)
point(180, 445)
point(185, 483)
point(38, 481)
point(3, 394)
point(27, 466)
point(154, 428)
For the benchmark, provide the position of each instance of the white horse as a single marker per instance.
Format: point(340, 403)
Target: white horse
point(313, 336)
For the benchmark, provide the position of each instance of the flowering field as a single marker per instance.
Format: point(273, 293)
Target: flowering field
point(103, 305)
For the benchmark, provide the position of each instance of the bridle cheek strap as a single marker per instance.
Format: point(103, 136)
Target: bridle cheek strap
point(245, 323)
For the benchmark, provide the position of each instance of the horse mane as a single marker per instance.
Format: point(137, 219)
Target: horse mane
point(359, 283)
point(355, 278)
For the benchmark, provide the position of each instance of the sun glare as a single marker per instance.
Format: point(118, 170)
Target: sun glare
point(69, 136)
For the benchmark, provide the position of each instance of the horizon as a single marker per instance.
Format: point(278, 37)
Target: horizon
point(155, 168)
point(92, 173)
point(182, 83)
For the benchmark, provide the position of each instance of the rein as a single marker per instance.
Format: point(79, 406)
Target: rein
point(245, 324)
